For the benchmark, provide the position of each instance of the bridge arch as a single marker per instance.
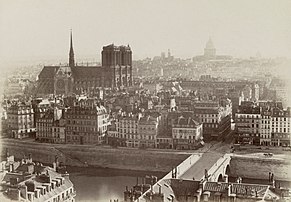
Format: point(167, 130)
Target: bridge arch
point(220, 178)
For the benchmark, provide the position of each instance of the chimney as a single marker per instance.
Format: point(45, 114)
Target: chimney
point(56, 161)
point(172, 197)
point(173, 173)
point(7, 153)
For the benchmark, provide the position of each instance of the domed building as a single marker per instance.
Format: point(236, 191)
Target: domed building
point(209, 50)
point(210, 53)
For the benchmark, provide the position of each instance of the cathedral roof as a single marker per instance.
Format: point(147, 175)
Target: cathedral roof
point(86, 71)
point(48, 71)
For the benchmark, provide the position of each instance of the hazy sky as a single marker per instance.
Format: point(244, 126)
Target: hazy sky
point(40, 28)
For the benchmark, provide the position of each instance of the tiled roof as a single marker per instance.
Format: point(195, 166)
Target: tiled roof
point(186, 121)
point(216, 186)
point(240, 189)
point(184, 187)
point(54, 192)
point(148, 120)
point(174, 115)
point(249, 189)
point(206, 110)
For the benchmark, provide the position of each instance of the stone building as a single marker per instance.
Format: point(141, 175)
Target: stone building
point(86, 124)
point(29, 181)
point(215, 116)
point(280, 127)
point(51, 126)
point(20, 118)
point(148, 130)
point(181, 190)
point(263, 123)
point(248, 123)
point(115, 72)
point(210, 53)
point(265, 135)
point(127, 130)
point(186, 133)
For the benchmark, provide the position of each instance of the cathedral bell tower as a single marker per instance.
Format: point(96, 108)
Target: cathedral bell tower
point(71, 53)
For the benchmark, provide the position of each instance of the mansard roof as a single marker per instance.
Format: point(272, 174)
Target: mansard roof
point(186, 121)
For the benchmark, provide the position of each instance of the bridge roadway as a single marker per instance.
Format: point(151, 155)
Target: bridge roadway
point(206, 161)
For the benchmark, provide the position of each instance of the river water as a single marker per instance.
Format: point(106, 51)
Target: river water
point(101, 184)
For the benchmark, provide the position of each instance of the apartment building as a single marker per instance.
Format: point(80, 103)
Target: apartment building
point(20, 118)
point(86, 124)
point(263, 124)
point(265, 133)
point(216, 118)
point(248, 124)
point(30, 181)
point(186, 133)
point(50, 127)
point(59, 131)
point(280, 127)
point(148, 130)
point(126, 126)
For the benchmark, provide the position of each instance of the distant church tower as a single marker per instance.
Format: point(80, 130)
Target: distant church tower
point(71, 54)
point(209, 50)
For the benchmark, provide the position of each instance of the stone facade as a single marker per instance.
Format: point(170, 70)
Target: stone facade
point(20, 120)
point(187, 133)
point(114, 72)
point(86, 124)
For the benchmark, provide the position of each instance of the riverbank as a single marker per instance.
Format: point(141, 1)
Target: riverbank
point(96, 156)
point(149, 161)
point(111, 172)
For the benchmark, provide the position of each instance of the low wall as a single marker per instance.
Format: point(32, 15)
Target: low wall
point(142, 160)
point(75, 155)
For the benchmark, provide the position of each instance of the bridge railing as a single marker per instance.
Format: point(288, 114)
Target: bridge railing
point(186, 164)
point(212, 171)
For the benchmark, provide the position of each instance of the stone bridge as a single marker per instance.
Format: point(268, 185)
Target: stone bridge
point(213, 166)
point(220, 170)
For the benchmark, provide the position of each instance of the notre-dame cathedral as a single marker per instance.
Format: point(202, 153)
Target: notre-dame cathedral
point(115, 72)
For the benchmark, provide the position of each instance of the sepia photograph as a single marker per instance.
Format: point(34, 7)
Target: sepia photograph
point(145, 100)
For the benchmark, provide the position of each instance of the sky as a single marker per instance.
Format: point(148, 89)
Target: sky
point(242, 28)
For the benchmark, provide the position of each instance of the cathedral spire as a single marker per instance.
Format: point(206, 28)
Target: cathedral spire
point(71, 53)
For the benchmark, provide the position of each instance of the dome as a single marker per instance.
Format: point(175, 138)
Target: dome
point(209, 44)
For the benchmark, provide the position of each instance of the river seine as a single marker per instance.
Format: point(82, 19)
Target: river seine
point(101, 184)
